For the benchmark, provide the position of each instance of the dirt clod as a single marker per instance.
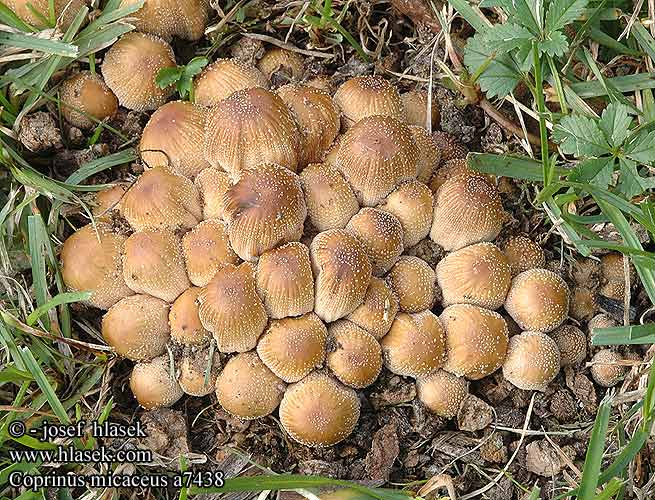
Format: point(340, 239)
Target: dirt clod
point(384, 451)
point(474, 414)
point(542, 459)
point(562, 406)
point(166, 432)
point(39, 132)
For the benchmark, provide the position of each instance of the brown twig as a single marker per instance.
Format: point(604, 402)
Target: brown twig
point(497, 116)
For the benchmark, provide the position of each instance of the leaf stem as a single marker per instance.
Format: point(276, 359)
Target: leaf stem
point(541, 109)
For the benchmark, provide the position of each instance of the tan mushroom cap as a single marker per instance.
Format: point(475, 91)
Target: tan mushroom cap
point(137, 327)
point(478, 274)
point(153, 385)
point(322, 82)
point(264, 209)
point(285, 282)
point(174, 136)
point(185, 19)
point(354, 355)
point(442, 392)
point(411, 203)
point(231, 309)
point(476, 340)
point(538, 300)
point(467, 210)
point(583, 303)
point(523, 254)
point(415, 345)
point(247, 389)
point(379, 309)
point(293, 347)
point(88, 93)
point(160, 198)
point(533, 361)
point(364, 96)
point(342, 273)
point(212, 184)
point(34, 12)
point(381, 235)
point(429, 155)
point(572, 344)
point(250, 127)
point(611, 267)
point(453, 168)
point(206, 249)
point(108, 201)
point(416, 105)
point(605, 368)
point(319, 411)
point(613, 290)
point(184, 319)
point(376, 155)
point(224, 77)
point(92, 262)
point(317, 118)
point(276, 60)
point(193, 366)
point(413, 281)
point(153, 263)
point(330, 200)
point(130, 69)
point(449, 146)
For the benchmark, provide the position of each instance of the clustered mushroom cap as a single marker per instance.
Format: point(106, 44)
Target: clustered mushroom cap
point(611, 267)
point(108, 201)
point(413, 281)
point(184, 319)
point(378, 310)
point(88, 93)
point(606, 369)
point(193, 366)
point(429, 155)
point(206, 249)
point(453, 168)
point(33, 12)
point(442, 392)
point(583, 303)
point(533, 361)
point(449, 146)
point(224, 77)
point(212, 184)
point(277, 60)
point(185, 19)
point(572, 344)
point(354, 355)
point(523, 254)
point(415, 106)
point(153, 385)
point(365, 96)
point(411, 203)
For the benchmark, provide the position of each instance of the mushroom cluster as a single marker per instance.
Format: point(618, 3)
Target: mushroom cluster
point(269, 257)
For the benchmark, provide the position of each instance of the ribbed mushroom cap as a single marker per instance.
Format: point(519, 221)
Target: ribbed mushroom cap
point(153, 263)
point(322, 82)
point(88, 93)
point(449, 146)
point(453, 168)
point(108, 200)
point(364, 96)
point(264, 209)
point(538, 300)
point(131, 66)
point(442, 392)
point(285, 282)
point(605, 369)
point(613, 290)
point(185, 19)
point(523, 254)
point(160, 198)
point(330, 200)
point(250, 127)
point(212, 184)
point(415, 345)
point(611, 267)
point(583, 303)
point(293, 347)
point(476, 340)
point(193, 366)
point(354, 355)
point(319, 410)
point(376, 155)
point(532, 362)
point(572, 344)
point(429, 155)
point(317, 118)
point(247, 389)
point(379, 309)
point(413, 281)
point(153, 385)
point(342, 273)
point(224, 77)
point(411, 203)
point(35, 12)
point(467, 210)
point(478, 274)
point(285, 65)
point(174, 136)
point(381, 235)
point(206, 249)
point(231, 309)
point(415, 105)
point(330, 156)
point(184, 319)
point(92, 262)
point(137, 327)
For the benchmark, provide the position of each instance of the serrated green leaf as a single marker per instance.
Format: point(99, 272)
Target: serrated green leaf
point(521, 11)
point(632, 183)
point(555, 44)
point(563, 12)
point(580, 136)
point(184, 85)
point(195, 66)
point(596, 171)
point(505, 37)
point(168, 76)
point(642, 148)
point(500, 76)
point(615, 123)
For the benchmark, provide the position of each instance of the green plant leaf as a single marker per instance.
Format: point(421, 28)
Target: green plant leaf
point(505, 37)
point(501, 74)
point(521, 11)
point(195, 66)
point(580, 136)
point(642, 148)
point(168, 76)
point(555, 44)
point(632, 183)
point(594, 456)
point(563, 12)
point(596, 171)
point(615, 123)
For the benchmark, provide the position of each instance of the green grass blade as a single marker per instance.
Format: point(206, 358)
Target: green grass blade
point(465, 10)
point(62, 298)
point(629, 83)
point(515, 167)
point(25, 41)
point(8, 17)
point(617, 335)
point(594, 456)
point(44, 385)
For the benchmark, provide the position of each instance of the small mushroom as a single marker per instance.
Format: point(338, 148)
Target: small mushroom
point(354, 355)
point(212, 184)
point(449, 146)
point(364, 96)
point(37, 12)
point(379, 309)
point(153, 384)
point(85, 96)
point(583, 303)
point(284, 65)
point(429, 155)
point(413, 281)
point(185, 19)
point(184, 319)
point(418, 107)
point(193, 367)
point(612, 268)
point(606, 369)
point(223, 78)
point(206, 249)
point(442, 392)
point(572, 344)
point(523, 254)
point(453, 168)
point(108, 201)
point(381, 235)
point(411, 203)
point(533, 361)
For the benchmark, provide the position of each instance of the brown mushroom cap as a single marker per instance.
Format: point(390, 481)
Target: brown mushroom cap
point(264, 209)
point(411, 203)
point(611, 267)
point(247, 389)
point(364, 96)
point(137, 327)
point(153, 385)
point(532, 362)
point(415, 105)
point(379, 309)
point(478, 274)
point(538, 300)
point(160, 198)
point(319, 411)
point(153, 263)
point(413, 281)
point(108, 201)
point(34, 12)
point(572, 344)
point(415, 345)
point(281, 63)
point(88, 93)
point(429, 155)
point(92, 262)
point(285, 282)
point(583, 303)
point(250, 127)
point(467, 210)
point(354, 355)
point(476, 340)
point(442, 392)
point(523, 254)
point(330, 200)
point(212, 184)
point(292, 347)
point(605, 369)
point(342, 273)
point(376, 155)
point(613, 290)
point(224, 77)
point(449, 146)
point(130, 69)
point(453, 168)
point(184, 319)
point(601, 320)
point(206, 249)
point(193, 366)
point(185, 19)
point(231, 309)
point(381, 235)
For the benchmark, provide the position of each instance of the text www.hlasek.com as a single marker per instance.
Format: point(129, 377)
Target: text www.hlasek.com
point(69, 454)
